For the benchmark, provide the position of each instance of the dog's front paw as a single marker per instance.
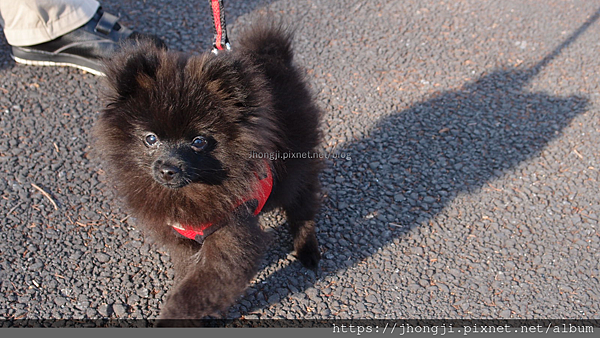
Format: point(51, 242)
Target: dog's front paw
point(309, 254)
point(178, 308)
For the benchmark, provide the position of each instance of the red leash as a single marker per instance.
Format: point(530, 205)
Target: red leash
point(263, 189)
point(221, 41)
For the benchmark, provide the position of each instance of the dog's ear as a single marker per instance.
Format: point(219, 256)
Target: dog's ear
point(133, 71)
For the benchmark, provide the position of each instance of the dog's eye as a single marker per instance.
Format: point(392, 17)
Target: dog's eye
point(151, 140)
point(199, 143)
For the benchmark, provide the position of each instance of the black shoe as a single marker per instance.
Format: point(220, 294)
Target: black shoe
point(84, 47)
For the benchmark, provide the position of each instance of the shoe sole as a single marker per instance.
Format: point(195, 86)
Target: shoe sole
point(61, 61)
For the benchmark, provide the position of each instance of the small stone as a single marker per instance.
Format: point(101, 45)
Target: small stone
point(91, 313)
point(133, 299)
point(103, 258)
point(105, 310)
point(120, 309)
point(429, 199)
point(60, 301)
point(142, 292)
point(312, 293)
point(274, 298)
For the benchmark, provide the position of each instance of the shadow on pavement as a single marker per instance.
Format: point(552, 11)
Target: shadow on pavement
point(453, 143)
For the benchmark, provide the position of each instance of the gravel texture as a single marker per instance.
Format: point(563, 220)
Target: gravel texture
point(465, 182)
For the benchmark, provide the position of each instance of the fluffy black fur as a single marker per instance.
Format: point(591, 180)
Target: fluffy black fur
point(177, 137)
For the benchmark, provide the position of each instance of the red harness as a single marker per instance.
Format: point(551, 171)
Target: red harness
point(261, 194)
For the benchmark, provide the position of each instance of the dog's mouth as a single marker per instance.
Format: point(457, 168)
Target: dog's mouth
point(173, 185)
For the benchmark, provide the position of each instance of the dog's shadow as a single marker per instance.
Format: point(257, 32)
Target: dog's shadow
point(413, 164)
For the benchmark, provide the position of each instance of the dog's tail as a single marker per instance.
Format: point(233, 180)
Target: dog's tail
point(267, 41)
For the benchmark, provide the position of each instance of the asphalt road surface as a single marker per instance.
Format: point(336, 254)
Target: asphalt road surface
point(463, 178)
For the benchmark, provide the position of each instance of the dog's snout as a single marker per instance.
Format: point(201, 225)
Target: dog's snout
point(169, 172)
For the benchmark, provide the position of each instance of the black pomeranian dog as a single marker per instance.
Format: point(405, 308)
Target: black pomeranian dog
point(197, 145)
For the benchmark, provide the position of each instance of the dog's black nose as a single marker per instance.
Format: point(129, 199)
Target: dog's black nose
point(169, 172)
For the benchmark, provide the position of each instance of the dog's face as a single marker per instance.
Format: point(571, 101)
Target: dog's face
point(177, 163)
point(178, 131)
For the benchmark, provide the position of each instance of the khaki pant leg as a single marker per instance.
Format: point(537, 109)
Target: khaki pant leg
point(31, 22)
